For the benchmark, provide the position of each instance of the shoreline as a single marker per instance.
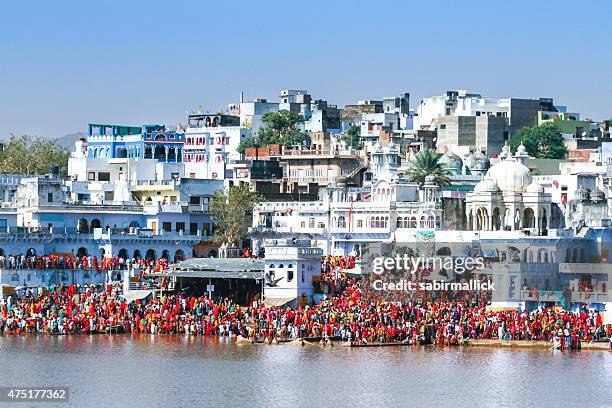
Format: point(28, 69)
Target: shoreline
point(309, 341)
point(534, 344)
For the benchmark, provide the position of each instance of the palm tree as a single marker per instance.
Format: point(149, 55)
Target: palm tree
point(428, 162)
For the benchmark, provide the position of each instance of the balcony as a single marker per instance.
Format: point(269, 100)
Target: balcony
point(22, 233)
point(153, 185)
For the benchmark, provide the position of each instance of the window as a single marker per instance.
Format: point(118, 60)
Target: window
point(180, 226)
point(194, 200)
point(167, 226)
point(443, 126)
point(206, 229)
point(103, 176)
point(359, 223)
point(289, 276)
point(49, 197)
point(193, 228)
point(91, 176)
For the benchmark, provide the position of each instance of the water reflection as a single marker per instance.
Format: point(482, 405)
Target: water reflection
point(159, 371)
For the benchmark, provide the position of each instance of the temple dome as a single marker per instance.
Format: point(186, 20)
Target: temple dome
point(452, 161)
point(486, 185)
point(535, 188)
point(510, 175)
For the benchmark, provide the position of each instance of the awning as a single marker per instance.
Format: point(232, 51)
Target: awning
point(220, 264)
point(270, 301)
point(132, 295)
point(214, 274)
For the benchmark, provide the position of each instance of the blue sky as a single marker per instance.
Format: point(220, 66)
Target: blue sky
point(66, 63)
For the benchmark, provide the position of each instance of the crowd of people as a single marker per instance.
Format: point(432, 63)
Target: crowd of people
point(347, 317)
point(348, 313)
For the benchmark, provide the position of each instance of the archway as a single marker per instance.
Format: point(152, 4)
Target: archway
point(83, 226)
point(150, 255)
point(160, 153)
point(212, 253)
point(148, 152)
point(528, 218)
point(496, 219)
point(81, 252)
point(160, 136)
point(179, 255)
point(171, 155)
point(482, 219)
point(31, 252)
point(123, 253)
point(95, 223)
point(122, 153)
point(137, 254)
point(165, 254)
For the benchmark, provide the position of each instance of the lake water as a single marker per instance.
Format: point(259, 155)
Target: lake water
point(171, 371)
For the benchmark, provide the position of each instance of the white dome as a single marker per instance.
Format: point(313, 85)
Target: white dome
point(521, 150)
point(510, 175)
point(486, 185)
point(535, 188)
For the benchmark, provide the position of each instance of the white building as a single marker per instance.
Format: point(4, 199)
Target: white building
point(458, 103)
point(211, 143)
point(290, 266)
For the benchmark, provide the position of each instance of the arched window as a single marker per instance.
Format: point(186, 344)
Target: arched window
point(422, 222)
point(413, 222)
point(341, 222)
point(431, 221)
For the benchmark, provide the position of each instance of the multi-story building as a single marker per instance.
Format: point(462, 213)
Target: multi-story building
point(307, 170)
point(148, 142)
point(518, 112)
point(211, 144)
point(252, 112)
point(464, 134)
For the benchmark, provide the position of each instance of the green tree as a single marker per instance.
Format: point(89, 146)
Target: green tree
point(26, 155)
point(428, 162)
point(352, 137)
point(232, 213)
point(281, 128)
point(544, 142)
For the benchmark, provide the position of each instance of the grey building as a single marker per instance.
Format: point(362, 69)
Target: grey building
point(483, 133)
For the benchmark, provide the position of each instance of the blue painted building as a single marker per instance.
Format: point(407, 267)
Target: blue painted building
point(146, 142)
